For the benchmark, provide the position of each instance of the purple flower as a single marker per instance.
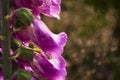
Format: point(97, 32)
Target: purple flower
point(39, 33)
point(51, 69)
point(45, 66)
point(49, 64)
point(49, 8)
point(46, 40)
point(25, 3)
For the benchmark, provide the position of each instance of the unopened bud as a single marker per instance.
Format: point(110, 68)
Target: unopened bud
point(22, 18)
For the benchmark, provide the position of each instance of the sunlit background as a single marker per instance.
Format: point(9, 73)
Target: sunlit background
point(93, 47)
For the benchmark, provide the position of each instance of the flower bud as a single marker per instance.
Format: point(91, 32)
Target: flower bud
point(22, 18)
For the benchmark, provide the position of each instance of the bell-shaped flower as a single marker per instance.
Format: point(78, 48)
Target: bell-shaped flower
point(34, 29)
point(50, 8)
point(44, 67)
point(46, 40)
point(39, 33)
point(51, 69)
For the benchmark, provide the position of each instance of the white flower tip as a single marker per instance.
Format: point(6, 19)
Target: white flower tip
point(56, 16)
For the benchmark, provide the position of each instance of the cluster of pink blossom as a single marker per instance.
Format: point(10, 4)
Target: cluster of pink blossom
point(48, 62)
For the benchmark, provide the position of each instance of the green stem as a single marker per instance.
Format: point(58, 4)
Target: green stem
point(7, 69)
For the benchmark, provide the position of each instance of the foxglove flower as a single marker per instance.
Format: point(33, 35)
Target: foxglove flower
point(50, 8)
point(46, 40)
point(48, 68)
point(51, 69)
point(24, 3)
point(39, 33)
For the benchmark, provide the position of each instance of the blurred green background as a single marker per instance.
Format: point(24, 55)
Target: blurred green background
point(93, 47)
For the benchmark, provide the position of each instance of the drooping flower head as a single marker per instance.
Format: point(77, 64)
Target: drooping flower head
point(49, 8)
point(44, 67)
point(45, 39)
point(52, 69)
point(39, 33)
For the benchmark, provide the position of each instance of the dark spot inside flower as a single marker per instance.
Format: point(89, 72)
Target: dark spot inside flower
point(48, 56)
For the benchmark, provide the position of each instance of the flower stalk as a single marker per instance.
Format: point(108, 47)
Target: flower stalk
point(5, 29)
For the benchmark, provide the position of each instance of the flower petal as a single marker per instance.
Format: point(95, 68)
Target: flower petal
point(56, 1)
point(53, 69)
point(45, 39)
point(25, 3)
point(50, 8)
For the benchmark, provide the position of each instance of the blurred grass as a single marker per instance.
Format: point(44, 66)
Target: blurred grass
point(93, 47)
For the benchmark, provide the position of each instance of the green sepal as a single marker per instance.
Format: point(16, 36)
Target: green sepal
point(27, 54)
point(24, 53)
point(21, 75)
point(23, 18)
